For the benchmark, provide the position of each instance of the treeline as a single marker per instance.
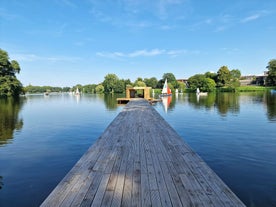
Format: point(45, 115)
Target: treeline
point(43, 89)
point(222, 80)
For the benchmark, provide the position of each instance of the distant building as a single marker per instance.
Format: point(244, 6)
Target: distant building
point(259, 80)
point(185, 81)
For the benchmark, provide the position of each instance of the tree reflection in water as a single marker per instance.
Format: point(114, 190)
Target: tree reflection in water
point(230, 102)
point(1, 182)
point(9, 119)
point(271, 106)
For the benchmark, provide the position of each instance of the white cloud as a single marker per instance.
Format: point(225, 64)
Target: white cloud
point(251, 18)
point(68, 3)
point(24, 57)
point(142, 53)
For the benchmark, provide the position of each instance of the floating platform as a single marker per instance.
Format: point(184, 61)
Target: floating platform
point(140, 160)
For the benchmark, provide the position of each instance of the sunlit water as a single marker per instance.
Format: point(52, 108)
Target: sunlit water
point(41, 138)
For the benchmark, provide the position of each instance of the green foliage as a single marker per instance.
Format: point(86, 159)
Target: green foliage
point(271, 78)
point(140, 84)
point(109, 83)
point(201, 82)
point(99, 89)
point(235, 74)
point(9, 84)
point(151, 82)
point(42, 89)
point(181, 86)
point(9, 110)
point(119, 86)
point(223, 76)
point(211, 75)
point(171, 79)
point(90, 88)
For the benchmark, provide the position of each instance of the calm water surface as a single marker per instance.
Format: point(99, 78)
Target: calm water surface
point(41, 138)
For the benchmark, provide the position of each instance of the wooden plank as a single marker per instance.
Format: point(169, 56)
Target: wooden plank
point(140, 160)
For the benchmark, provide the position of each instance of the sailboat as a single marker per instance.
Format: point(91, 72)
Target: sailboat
point(166, 91)
point(201, 93)
point(77, 93)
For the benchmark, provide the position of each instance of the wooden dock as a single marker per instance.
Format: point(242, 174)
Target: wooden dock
point(140, 160)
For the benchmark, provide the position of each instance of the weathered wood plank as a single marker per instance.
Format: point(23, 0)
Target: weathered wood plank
point(140, 160)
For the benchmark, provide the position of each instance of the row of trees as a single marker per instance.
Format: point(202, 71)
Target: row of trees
point(11, 86)
point(223, 79)
point(208, 82)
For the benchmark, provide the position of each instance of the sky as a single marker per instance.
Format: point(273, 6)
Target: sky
point(68, 42)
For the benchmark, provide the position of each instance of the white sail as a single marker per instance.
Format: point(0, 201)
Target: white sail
point(164, 90)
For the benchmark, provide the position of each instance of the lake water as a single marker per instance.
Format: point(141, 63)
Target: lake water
point(41, 138)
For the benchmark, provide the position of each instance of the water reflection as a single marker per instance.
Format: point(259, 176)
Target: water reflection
point(229, 102)
point(202, 101)
point(271, 106)
point(166, 100)
point(110, 101)
point(1, 182)
point(9, 119)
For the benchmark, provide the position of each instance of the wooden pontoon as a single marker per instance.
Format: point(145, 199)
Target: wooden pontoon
point(140, 160)
point(131, 93)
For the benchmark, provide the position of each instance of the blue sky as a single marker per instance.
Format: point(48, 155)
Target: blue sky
point(66, 42)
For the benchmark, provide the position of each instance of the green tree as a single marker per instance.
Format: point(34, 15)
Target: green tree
point(235, 74)
point(211, 75)
point(66, 89)
point(271, 78)
point(151, 82)
point(99, 89)
point(171, 79)
point(181, 86)
point(139, 84)
point(223, 77)
point(119, 86)
point(90, 88)
point(9, 84)
point(109, 83)
point(234, 81)
point(201, 82)
point(128, 83)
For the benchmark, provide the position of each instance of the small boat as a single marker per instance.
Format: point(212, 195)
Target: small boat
point(77, 93)
point(201, 93)
point(166, 91)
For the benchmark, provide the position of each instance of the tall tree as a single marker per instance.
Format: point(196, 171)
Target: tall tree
point(171, 79)
point(9, 84)
point(234, 80)
point(151, 82)
point(201, 82)
point(223, 77)
point(271, 78)
point(109, 83)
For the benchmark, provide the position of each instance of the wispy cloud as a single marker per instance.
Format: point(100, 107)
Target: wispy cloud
point(27, 57)
point(128, 12)
point(142, 53)
point(250, 18)
point(68, 3)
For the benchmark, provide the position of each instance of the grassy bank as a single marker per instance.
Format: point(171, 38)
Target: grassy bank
point(253, 88)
